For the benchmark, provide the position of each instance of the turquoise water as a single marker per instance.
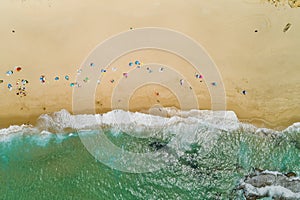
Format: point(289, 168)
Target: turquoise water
point(33, 166)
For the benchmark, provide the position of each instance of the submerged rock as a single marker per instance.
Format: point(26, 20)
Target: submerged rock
point(297, 144)
point(157, 145)
point(262, 180)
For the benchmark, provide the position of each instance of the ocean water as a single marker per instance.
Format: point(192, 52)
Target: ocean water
point(50, 161)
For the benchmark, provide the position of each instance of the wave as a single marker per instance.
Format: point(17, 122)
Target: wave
point(63, 122)
point(199, 126)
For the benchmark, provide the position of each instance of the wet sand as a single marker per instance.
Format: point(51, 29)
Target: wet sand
point(246, 39)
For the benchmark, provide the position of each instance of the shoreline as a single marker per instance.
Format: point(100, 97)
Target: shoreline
point(258, 123)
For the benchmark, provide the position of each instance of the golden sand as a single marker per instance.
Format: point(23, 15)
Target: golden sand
point(246, 39)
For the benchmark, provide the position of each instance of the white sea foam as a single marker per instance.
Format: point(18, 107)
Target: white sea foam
point(275, 173)
point(199, 123)
point(11, 132)
point(293, 128)
point(14, 129)
point(62, 119)
point(271, 191)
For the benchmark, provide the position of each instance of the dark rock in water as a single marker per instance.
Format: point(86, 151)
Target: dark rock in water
point(253, 197)
point(258, 170)
point(193, 164)
point(290, 174)
point(189, 162)
point(157, 145)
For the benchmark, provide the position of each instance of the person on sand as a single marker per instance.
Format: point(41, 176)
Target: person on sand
point(181, 81)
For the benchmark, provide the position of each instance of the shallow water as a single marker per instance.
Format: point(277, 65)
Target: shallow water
point(42, 165)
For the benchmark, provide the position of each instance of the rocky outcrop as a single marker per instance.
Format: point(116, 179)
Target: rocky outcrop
point(271, 184)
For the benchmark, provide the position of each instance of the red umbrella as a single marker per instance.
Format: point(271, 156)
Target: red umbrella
point(18, 69)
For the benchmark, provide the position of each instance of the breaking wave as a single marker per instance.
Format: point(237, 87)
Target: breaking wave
point(174, 121)
point(179, 129)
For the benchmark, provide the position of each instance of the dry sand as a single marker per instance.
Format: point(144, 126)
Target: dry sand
point(246, 40)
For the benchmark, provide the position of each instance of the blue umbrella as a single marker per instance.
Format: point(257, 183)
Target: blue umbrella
point(10, 72)
point(9, 86)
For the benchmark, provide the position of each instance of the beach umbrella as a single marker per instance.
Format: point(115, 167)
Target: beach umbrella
point(79, 71)
point(24, 81)
point(10, 72)
point(18, 68)
point(85, 79)
point(9, 86)
point(42, 79)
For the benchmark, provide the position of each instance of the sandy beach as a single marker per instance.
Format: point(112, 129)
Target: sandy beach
point(255, 45)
